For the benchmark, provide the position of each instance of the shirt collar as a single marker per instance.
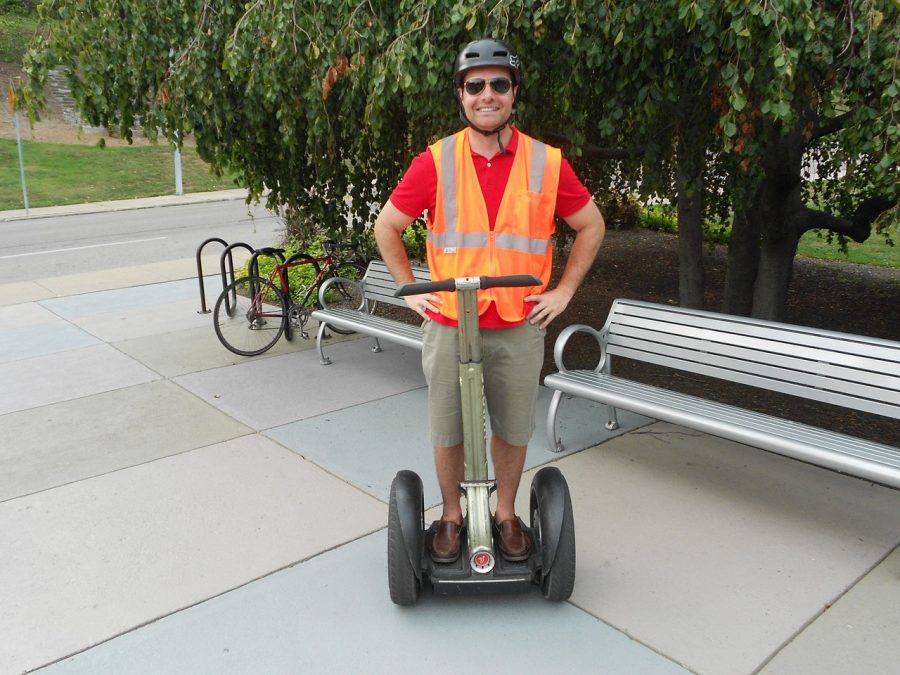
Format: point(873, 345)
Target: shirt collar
point(511, 148)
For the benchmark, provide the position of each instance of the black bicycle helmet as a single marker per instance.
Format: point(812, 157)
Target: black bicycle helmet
point(487, 52)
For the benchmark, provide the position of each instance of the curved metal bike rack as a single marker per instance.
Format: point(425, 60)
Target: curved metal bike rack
point(226, 255)
point(203, 309)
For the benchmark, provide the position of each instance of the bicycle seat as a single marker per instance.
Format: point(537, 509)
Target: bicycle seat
point(270, 251)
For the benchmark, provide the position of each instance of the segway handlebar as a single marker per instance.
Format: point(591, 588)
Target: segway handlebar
point(513, 280)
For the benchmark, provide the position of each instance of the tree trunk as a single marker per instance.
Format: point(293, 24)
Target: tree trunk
point(690, 229)
point(765, 235)
point(776, 266)
point(743, 258)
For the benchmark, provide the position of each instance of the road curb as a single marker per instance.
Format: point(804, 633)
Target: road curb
point(124, 205)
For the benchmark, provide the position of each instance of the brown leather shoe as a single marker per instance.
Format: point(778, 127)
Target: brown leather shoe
point(445, 544)
point(514, 543)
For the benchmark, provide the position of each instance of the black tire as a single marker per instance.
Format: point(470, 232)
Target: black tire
point(250, 316)
point(406, 506)
point(346, 296)
point(553, 524)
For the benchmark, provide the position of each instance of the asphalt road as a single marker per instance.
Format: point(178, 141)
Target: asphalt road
point(48, 247)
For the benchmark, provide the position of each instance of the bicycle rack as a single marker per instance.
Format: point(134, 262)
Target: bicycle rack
point(226, 255)
point(253, 266)
point(203, 309)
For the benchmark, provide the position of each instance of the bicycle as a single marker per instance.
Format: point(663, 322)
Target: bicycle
point(252, 312)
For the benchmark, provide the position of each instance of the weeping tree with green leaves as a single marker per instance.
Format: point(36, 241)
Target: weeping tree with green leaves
point(727, 103)
point(715, 105)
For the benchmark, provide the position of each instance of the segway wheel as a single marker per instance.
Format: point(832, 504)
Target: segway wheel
point(406, 533)
point(554, 528)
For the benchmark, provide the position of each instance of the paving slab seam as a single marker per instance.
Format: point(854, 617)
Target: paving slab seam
point(826, 607)
point(331, 473)
point(633, 638)
point(126, 285)
point(161, 617)
point(122, 468)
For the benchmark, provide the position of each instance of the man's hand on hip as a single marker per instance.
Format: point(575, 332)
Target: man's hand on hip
point(419, 303)
point(547, 306)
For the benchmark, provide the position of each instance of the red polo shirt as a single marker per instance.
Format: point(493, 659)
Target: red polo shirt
point(416, 193)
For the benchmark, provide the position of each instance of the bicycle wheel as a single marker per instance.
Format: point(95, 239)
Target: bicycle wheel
point(346, 296)
point(303, 291)
point(250, 316)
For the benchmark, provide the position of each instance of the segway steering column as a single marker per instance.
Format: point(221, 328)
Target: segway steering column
point(477, 486)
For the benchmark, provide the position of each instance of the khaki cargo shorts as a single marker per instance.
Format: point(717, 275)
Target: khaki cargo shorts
point(511, 361)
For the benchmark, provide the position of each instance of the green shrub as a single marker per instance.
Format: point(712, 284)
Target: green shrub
point(414, 240)
point(662, 218)
point(659, 218)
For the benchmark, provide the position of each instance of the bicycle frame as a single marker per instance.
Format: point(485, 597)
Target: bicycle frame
point(328, 264)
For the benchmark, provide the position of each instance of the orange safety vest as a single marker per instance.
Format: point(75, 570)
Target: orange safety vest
point(460, 242)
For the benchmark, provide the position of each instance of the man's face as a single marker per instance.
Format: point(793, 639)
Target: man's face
point(488, 108)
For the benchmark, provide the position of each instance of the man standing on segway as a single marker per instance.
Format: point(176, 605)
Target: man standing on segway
point(491, 194)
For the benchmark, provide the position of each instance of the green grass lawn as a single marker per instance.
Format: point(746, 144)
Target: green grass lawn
point(874, 251)
point(59, 174)
point(16, 31)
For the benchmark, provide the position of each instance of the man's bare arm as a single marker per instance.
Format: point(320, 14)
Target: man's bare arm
point(389, 226)
point(589, 232)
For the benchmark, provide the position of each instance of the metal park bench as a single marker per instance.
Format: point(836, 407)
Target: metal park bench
point(851, 371)
point(377, 286)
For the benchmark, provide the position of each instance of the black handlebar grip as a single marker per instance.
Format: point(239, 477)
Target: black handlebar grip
point(513, 280)
point(416, 288)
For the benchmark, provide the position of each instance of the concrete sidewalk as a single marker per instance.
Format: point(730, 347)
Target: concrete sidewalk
point(170, 507)
point(122, 204)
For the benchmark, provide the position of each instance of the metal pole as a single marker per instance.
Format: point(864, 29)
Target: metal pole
point(12, 105)
point(179, 188)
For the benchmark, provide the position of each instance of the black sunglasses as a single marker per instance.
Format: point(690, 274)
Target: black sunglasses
point(500, 85)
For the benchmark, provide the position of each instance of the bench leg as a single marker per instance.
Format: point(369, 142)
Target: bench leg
point(553, 443)
point(376, 347)
point(320, 339)
point(613, 422)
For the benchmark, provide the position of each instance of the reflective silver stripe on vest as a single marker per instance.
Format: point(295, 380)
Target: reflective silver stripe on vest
point(538, 164)
point(452, 238)
point(458, 240)
point(516, 242)
point(448, 183)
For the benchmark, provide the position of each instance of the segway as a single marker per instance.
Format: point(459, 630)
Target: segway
point(481, 567)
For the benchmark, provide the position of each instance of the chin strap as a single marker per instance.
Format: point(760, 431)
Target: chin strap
point(498, 130)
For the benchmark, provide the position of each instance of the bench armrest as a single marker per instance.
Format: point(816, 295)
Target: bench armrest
point(330, 281)
point(560, 346)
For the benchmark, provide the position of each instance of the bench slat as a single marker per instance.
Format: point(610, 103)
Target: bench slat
point(604, 388)
point(841, 343)
point(851, 353)
point(875, 372)
point(875, 461)
point(378, 327)
point(378, 286)
point(851, 371)
point(835, 397)
point(783, 372)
